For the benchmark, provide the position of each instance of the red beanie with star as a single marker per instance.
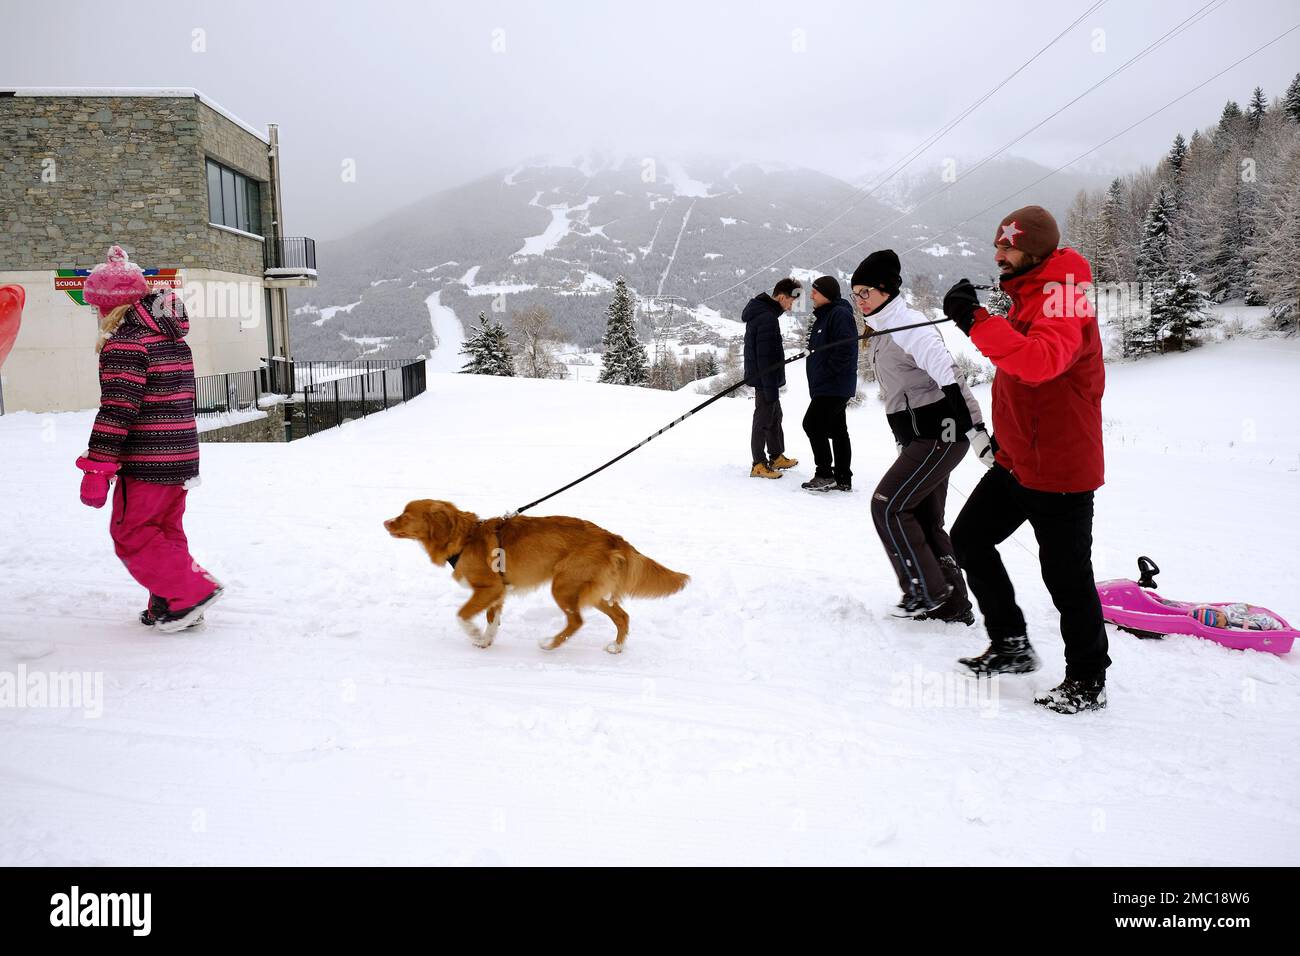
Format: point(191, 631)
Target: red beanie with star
point(1030, 229)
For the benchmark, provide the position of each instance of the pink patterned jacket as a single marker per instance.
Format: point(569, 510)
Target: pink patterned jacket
point(145, 423)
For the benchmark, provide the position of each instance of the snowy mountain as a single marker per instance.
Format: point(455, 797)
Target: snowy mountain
point(556, 234)
point(330, 711)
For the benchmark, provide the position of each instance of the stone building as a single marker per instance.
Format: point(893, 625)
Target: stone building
point(191, 193)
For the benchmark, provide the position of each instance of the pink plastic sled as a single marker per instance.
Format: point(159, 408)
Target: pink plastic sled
point(1130, 606)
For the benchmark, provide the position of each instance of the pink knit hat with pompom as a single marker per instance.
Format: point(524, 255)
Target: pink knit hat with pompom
point(118, 281)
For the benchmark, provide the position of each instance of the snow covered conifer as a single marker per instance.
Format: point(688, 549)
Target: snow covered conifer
point(1255, 111)
point(624, 361)
point(1276, 248)
point(1153, 259)
point(706, 365)
point(1228, 132)
point(488, 349)
point(1291, 102)
point(1177, 312)
point(1177, 153)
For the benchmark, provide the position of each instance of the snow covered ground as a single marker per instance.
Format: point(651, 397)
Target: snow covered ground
point(332, 712)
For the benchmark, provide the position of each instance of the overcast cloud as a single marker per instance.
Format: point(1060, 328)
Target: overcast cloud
point(425, 95)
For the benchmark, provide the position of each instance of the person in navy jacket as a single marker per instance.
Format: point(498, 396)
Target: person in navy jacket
point(832, 381)
point(764, 373)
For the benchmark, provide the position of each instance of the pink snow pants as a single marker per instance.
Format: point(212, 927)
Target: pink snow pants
point(148, 537)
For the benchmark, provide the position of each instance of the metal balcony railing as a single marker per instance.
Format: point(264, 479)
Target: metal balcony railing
point(296, 254)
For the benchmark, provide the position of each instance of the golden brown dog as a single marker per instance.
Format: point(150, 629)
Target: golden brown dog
point(586, 565)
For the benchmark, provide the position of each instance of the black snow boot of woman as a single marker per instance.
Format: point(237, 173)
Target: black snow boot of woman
point(1007, 655)
point(1074, 695)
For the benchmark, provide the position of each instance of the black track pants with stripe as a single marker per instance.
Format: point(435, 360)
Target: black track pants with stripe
point(908, 507)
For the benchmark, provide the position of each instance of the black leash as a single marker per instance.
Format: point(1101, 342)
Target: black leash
point(798, 357)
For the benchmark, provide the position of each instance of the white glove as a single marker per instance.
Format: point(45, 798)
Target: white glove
point(982, 444)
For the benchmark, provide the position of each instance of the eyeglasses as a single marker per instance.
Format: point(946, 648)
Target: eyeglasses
point(863, 296)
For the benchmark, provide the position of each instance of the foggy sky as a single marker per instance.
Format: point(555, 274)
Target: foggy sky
point(426, 95)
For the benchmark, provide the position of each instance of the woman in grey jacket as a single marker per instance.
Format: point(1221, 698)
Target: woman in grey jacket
point(935, 420)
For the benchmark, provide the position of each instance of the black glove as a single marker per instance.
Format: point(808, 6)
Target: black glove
point(960, 304)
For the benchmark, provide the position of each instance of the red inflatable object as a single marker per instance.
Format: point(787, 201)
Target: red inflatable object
point(12, 298)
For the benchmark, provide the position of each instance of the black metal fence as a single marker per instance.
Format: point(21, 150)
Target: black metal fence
point(327, 404)
point(309, 372)
point(228, 392)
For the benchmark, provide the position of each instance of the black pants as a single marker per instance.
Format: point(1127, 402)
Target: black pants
point(828, 430)
point(907, 507)
point(766, 431)
point(1062, 523)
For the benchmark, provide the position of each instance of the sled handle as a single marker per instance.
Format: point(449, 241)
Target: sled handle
point(1147, 571)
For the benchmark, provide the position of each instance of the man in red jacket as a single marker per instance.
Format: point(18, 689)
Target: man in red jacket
point(1047, 432)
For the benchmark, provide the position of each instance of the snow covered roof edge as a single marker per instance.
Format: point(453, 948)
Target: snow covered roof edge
point(171, 91)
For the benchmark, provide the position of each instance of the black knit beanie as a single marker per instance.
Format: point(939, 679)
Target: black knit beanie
point(880, 270)
point(828, 286)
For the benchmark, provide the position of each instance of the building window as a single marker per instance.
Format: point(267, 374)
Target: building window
point(234, 200)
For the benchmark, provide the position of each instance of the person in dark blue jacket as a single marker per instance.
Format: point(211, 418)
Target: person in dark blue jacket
point(832, 381)
point(763, 350)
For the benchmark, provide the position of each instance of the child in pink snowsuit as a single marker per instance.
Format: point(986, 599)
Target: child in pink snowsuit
point(144, 435)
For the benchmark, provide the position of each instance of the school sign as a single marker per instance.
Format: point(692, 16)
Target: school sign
point(72, 281)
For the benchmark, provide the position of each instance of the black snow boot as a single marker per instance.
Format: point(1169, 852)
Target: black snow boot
point(1008, 655)
point(819, 484)
point(156, 609)
point(957, 608)
point(1073, 695)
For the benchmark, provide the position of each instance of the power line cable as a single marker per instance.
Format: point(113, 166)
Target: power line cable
point(914, 153)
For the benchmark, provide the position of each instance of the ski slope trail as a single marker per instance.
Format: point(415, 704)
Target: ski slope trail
point(448, 330)
point(331, 711)
point(672, 256)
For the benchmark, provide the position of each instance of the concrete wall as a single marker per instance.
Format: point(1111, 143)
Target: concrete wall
point(270, 427)
point(53, 366)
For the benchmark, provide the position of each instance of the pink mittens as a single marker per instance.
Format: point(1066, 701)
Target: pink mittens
point(94, 484)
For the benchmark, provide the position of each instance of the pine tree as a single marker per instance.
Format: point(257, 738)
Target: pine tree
point(1111, 238)
point(624, 355)
point(1177, 155)
point(706, 365)
point(1255, 111)
point(1177, 160)
point(499, 362)
point(1228, 132)
point(1276, 249)
point(1153, 259)
point(488, 350)
point(1155, 272)
point(1178, 311)
point(1291, 102)
point(1226, 235)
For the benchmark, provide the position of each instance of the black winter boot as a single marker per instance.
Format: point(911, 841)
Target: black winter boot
point(156, 609)
point(1073, 695)
point(1008, 655)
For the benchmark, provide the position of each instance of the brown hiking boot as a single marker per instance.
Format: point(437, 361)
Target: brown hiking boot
point(781, 462)
point(760, 470)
